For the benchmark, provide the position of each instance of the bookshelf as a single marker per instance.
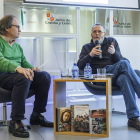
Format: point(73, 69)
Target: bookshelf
point(59, 97)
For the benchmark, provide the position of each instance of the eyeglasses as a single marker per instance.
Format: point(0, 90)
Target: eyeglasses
point(17, 26)
point(95, 32)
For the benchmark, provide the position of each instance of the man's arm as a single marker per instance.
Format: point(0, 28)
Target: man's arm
point(86, 55)
point(5, 64)
point(8, 66)
point(28, 73)
point(114, 49)
point(84, 58)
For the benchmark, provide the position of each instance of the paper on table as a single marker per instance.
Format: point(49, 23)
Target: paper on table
point(42, 64)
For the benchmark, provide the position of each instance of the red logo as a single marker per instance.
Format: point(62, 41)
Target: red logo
point(50, 16)
point(115, 21)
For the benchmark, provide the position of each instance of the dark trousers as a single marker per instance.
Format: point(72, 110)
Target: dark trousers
point(20, 86)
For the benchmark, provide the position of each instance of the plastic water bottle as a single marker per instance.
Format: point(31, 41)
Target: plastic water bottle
point(75, 71)
point(87, 71)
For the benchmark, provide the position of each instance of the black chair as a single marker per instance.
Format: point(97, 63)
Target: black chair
point(101, 90)
point(5, 96)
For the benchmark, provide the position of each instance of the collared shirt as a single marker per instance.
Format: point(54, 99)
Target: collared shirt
point(9, 41)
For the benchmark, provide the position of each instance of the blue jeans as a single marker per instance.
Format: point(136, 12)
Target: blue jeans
point(129, 83)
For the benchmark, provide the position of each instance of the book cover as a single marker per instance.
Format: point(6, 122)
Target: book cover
point(63, 119)
point(98, 121)
point(80, 118)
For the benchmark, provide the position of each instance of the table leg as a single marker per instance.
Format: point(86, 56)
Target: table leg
point(59, 97)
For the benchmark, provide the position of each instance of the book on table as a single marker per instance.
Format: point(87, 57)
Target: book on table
point(80, 118)
point(98, 121)
point(63, 121)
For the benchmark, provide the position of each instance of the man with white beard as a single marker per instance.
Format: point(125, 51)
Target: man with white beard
point(124, 75)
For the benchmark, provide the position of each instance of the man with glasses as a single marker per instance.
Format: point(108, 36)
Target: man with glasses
point(124, 76)
point(18, 75)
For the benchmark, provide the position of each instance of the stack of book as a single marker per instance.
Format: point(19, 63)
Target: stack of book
point(76, 119)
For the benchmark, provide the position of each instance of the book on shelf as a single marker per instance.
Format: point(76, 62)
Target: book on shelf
point(63, 121)
point(98, 121)
point(80, 118)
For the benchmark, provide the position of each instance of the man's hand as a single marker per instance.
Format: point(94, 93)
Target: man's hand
point(28, 73)
point(111, 49)
point(95, 51)
point(36, 69)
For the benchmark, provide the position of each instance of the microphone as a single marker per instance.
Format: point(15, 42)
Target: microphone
point(98, 44)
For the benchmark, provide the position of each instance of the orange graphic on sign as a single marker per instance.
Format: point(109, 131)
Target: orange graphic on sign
point(115, 21)
point(51, 18)
point(48, 14)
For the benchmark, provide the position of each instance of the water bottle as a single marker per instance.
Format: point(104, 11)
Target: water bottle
point(87, 71)
point(75, 71)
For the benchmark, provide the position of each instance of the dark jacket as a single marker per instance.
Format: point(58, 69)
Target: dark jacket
point(96, 62)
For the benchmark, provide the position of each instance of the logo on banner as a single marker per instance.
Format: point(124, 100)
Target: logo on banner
point(50, 16)
point(120, 24)
point(58, 21)
point(114, 21)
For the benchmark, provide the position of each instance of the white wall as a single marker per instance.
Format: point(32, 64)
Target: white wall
point(27, 46)
point(55, 53)
point(1, 9)
point(130, 48)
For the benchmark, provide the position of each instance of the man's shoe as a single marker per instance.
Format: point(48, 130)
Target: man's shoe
point(40, 120)
point(135, 123)
point(17, 129)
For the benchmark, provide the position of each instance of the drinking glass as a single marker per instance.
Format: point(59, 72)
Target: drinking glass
point(64, 72)
point(101, 73)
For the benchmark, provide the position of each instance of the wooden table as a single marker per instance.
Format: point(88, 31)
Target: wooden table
point(59, 98)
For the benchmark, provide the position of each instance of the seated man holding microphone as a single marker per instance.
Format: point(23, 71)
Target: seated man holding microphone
point(18, 75)
point(111, 59)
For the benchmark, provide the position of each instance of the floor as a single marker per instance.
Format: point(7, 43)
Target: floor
point(119, 129)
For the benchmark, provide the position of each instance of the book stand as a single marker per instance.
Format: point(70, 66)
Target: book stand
point(59, 98)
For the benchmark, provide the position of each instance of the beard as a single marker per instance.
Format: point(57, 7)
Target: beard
point(100, 40)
